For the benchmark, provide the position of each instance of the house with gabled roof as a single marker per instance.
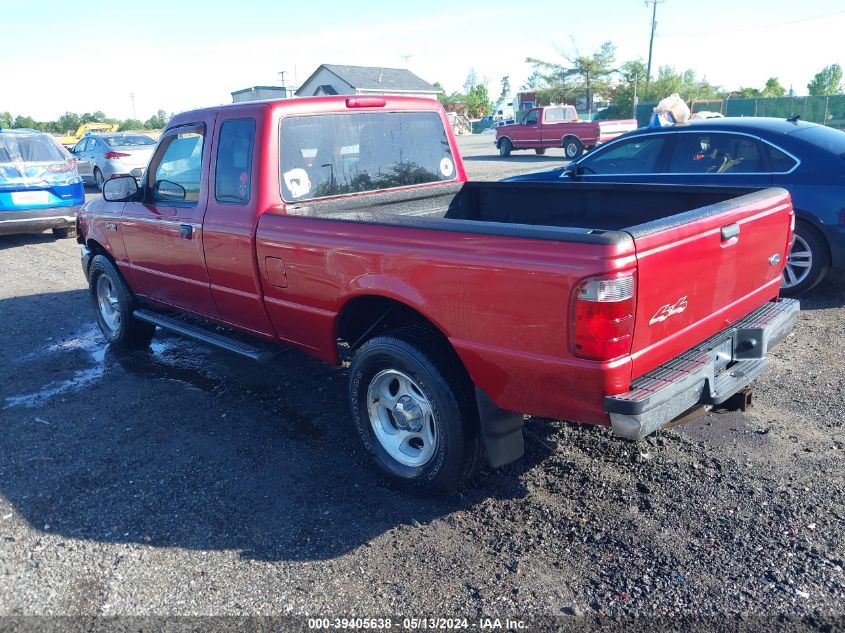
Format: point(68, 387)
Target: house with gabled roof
point(334, 79)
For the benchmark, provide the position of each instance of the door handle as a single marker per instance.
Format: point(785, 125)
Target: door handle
point(186, 231)
point(729, 232)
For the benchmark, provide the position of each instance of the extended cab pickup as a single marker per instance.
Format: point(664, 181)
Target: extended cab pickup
point(558, 126)
point(345, 227)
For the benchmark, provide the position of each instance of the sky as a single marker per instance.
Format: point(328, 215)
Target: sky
point(57, 56)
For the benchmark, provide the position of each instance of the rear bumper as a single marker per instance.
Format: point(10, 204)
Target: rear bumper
point(29, 221)
point(692, 378)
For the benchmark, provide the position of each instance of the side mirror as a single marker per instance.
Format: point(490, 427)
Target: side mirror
point(167, 190)
point(121, 189)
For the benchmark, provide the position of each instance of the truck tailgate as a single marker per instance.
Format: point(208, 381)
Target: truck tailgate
point(700, 271)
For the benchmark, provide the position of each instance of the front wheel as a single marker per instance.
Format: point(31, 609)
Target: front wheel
point(807, 263)
point(505, 147)
point(413, 412)
point(114, 303)
point(99, 179)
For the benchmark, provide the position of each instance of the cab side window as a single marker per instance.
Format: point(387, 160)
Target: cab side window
point(717, 153)
point(233, 171)
point(637, 155)
point(175, 170)
point(532, 117)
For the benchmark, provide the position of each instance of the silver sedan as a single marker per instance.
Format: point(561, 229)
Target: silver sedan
point(100, 157)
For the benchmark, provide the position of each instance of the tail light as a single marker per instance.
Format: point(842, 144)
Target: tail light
point(113, 155)
point(366, 102)
point(603, 317)
point(61, 168)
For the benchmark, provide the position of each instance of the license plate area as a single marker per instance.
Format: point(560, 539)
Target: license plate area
point(30, 197)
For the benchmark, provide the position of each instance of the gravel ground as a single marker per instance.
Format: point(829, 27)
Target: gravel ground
point(183, 480)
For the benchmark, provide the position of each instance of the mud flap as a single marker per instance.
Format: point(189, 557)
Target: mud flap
point(500, 430)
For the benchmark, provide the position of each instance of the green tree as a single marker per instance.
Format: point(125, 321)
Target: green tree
point(773, 88)
point(471, 81)
point(828, 81)
point(92, 117)
point(535, 81)
point(478, 101)
point(68, 122)
point(506, 88)
point(749, 93)
point(6, 119)
point(157, 121)
point(131, 124)
point(26, 121)
point(579, 75)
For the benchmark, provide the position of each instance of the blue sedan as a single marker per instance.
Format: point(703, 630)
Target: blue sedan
point(806, 159)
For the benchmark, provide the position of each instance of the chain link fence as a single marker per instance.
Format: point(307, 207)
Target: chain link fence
point(828, 111)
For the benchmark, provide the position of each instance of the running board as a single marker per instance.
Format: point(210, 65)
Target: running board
point(204, 335)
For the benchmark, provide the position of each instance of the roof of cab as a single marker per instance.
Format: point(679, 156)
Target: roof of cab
point(308, 105)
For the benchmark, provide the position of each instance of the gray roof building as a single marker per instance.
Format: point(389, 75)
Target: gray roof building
point(345, 80)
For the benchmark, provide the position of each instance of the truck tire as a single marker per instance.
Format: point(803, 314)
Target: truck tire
point(413, 409)
point(540, 151)
point(113, 304)
point(572, 147)
point(807, 263)
point(505, 147)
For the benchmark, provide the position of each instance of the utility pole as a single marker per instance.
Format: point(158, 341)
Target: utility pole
point(653, 4)
point(281, 74)
point(132, 99)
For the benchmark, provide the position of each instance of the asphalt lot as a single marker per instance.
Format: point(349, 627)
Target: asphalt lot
point(182, 480)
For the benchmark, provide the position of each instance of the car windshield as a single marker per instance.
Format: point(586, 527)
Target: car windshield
point(336, 154)
point(134, 140)
point(827, 138)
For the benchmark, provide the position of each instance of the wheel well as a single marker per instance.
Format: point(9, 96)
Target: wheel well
point(365, 317)
point(503, 138)
point(567, 137)
point(802, 218)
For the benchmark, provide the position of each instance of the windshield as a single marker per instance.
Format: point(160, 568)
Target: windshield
point(827, 138)
point(336, 154)
point(136, 140)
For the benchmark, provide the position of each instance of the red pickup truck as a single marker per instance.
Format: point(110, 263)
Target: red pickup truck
point(558, 126)
point(345, 227)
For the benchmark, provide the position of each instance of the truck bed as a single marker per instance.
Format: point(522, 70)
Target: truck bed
point(582, 212)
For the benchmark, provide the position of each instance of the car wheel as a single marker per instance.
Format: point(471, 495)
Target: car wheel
point(807, 263)
point(113, 303)
point(572, 147)
point(413, 409)
point(64, 233)
point(540, 151)
point(505, 147)
point(99, 179)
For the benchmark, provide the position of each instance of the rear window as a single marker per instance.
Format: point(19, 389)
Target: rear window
point(30, 148)
point(135, 140)
point(827, 138)
point(336, 154)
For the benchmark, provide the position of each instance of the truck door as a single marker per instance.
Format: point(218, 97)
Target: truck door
point(229, 225)
point(163, 232)
point(528, 133)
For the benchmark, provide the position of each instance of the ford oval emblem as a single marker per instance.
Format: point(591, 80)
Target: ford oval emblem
point(774, 260)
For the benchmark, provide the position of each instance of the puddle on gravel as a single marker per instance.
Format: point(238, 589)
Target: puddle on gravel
point(166, 359)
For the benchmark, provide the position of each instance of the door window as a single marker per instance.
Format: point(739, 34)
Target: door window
point(716, 153)
point(233, 171)
point(632, 156)
point(531, 118)
point(80, 146)
point(174, 173)
point(781, 162)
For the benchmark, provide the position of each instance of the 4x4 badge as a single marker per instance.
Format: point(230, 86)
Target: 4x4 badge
point(668, 310)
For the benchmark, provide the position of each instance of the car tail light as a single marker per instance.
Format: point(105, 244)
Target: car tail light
point(61, 168)
point(366, 102)
point(113, 155)
point(603, 317)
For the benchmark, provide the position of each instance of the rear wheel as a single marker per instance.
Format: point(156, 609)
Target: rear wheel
point(413, 411)
point(114, 303)
point(505, 147)
point(572, 147)
point(807, 263)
